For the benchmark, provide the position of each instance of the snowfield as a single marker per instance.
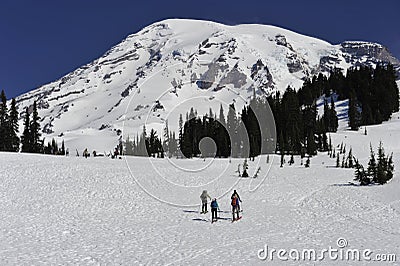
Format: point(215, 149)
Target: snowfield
point(98, 211)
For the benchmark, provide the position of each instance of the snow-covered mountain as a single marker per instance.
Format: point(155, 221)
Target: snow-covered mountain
point(169, 66)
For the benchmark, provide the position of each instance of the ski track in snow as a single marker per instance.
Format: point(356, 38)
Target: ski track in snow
point(69, 210)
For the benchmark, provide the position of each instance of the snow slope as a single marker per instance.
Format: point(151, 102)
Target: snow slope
point(98, 211)
point(172, 65)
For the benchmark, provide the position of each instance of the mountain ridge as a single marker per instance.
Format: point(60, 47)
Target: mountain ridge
point(169, 62)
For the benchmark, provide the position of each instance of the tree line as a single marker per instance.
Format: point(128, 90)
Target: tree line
point(372, 92)
point(9, 140)
point(299, 128)
point(30, 140)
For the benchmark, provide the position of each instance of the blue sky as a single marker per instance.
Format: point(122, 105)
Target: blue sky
point(42, 40)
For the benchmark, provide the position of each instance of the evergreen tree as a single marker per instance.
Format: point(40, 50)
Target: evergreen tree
point(4, 125)
point(180, 136)
point(26, 138)
point(307, 165)
point(231, 124)
point(343, 162)
point(166, 140)
point(372, 167)
point(350, 159)
point(382, 166)
point(360, 174)
point(353, 113)
point(245, 168)
point(128, 146)
point(62, 148)
point(338, 160)
point(390, 168)
point(13, 127)
point(35, 130)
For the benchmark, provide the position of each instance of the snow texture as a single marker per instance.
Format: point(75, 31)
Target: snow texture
point(71, 210)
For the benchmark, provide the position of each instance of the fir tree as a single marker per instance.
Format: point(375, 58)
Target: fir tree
point(13, 127)
point(372, 167)
point(307, 165)
point(390, 168)
point(245, 168)
point(338, 160)
point(353, 113)
point(128, 146)
point(343, 161)
point(4, 125)
point(360, 174)
point(26, 138)
point(62, 148)
point(166, 140)
point(382, 166)
point(350, 159)
point(35, 130)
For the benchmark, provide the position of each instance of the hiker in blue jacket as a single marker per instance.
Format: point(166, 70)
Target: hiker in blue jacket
point(214, 210)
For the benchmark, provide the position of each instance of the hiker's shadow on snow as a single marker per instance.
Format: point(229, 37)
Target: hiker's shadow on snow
point(190, 211)
point(224, 218)
point(199, 220)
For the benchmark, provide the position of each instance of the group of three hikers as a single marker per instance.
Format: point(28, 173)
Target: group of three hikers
point(235, 199)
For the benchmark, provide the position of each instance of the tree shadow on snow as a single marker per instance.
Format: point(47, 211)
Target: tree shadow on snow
point(345, 185)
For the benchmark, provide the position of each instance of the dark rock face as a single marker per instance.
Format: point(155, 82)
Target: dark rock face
point(261, 74)
point(365, 53)
point(281, 40)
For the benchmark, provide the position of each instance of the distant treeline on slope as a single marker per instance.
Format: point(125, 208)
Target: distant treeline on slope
point(30, 141)
point(373, 96)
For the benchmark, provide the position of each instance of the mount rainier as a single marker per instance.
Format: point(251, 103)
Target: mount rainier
point(169, 66)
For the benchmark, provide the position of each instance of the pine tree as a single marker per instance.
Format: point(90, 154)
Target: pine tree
point(353, 113)
point(343, 162)
point(166, 140)
point(180, 136)
point(245, 168)
point(390, 168)
point(350, 159)
point(35, 130)
point(231, 124)
point(26, 138)
point(128, 146)
point(382, 166)
point(360, 174)
point(4, 125)
point(307, 165)
point(13, 127)
point(338, 160)
point(62, 148)
point(372, 167)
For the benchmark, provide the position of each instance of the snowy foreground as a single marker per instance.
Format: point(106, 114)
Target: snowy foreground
point(95, 211)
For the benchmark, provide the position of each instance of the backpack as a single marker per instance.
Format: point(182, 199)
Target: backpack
point(234, 201)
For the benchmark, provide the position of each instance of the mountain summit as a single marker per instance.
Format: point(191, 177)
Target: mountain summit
point(169, 66)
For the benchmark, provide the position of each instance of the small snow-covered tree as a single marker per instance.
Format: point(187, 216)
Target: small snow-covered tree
point(245, 168)
point(307, 165)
